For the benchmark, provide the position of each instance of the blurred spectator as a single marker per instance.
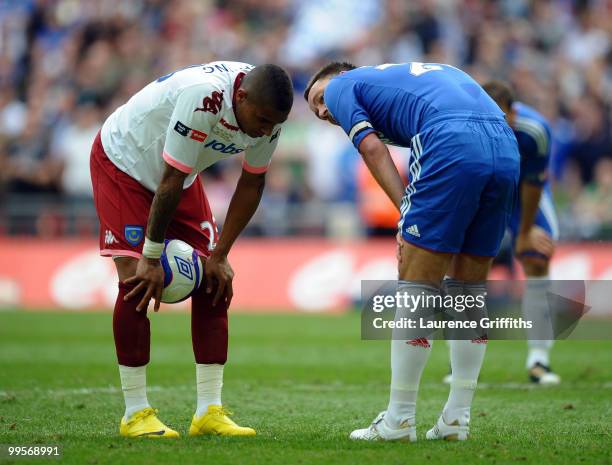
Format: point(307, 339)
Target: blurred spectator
point(378, 213)
point(66, 64)
point(71, 148)
point(593, 208)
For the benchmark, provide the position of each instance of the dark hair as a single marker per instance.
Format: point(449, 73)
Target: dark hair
point(501, 92)
point(331, 69)
point(270, 85)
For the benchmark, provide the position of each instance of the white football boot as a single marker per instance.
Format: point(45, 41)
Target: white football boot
point(380, 431)
point(454, 432)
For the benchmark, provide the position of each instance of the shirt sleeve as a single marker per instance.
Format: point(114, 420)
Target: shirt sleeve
point(188, 128)
point(257, 158)
point(534, 147)
point(342, 100)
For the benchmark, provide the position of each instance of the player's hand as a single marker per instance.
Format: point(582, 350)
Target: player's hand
point(536, 240)
point(219, 271)
point(149, 277)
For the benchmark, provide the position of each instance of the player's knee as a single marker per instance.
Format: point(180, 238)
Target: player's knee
point(422, 265)
point(126, 267)
point(535, 266)
point(470, 268)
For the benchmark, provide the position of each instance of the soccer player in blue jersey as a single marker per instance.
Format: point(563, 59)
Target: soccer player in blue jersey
point(533, 226)
point(463, 180)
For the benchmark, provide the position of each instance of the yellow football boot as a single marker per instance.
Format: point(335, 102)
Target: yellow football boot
point(145, 424)
point(216, 422)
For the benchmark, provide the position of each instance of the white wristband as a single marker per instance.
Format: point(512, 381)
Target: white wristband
point(152, 249)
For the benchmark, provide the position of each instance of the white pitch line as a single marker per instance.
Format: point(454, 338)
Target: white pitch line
point(91, 390)
point(306, 387)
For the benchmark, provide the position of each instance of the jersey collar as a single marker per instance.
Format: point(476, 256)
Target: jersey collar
point(237, 83)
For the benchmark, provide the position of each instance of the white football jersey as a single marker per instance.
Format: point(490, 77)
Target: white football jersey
point(187, 119)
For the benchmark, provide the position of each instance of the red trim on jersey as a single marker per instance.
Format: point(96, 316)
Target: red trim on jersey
point(231, 127)
point(254, 169)
point(237, 83)
point(119, 253)
point(176, 164)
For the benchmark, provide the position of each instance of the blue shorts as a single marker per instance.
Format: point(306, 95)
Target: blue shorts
point(546, 217)
point(463, 185)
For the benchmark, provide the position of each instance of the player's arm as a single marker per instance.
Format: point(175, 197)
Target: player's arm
point(535, 154)
point(149, 275)
point(243, 205)
point(376, 156)
point(530, 200)
point(530, 238)
point(343, 100)
point(187, 129)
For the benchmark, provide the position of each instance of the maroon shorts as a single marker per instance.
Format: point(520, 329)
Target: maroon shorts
point(123, 207)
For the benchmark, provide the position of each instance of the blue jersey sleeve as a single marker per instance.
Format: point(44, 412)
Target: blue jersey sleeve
point(342, 100)
point(534, 146)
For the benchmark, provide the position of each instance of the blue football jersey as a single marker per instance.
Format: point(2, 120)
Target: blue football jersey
point(533, 135)
point(397, 101)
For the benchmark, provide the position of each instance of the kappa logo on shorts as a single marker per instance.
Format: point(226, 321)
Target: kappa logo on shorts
point(109, 238)
point(133, 234)
point(186, 131)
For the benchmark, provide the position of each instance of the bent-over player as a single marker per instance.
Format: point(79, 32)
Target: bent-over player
point(144, 169)
point(463, 177)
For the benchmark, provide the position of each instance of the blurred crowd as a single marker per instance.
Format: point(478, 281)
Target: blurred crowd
point(66, 64)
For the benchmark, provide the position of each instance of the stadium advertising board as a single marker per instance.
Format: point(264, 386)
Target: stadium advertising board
point(271, 275)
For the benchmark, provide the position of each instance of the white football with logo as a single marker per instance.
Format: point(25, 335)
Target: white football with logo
point(182, 271)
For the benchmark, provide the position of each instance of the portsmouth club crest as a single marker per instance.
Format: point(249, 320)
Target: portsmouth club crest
point(133, 234)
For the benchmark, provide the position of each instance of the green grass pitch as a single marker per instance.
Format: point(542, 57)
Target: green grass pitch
point(303, 381)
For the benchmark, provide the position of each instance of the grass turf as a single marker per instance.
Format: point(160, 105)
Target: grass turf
point(303, 381)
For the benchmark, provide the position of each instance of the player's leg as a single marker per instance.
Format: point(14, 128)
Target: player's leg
point(436, 211)
point(535, 307)
point(421, 272)
point(194, 223)
point(469, 271)
point(466, 277)
point(121, 237)
point(131, 331)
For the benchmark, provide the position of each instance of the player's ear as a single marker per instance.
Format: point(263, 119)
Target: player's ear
point(241, 94)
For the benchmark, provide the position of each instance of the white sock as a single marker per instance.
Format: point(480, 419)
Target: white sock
point(209, 381)
point(407, 364)
point(466, 361)
point(535, 309)
point(537, 354)
point(134, 387)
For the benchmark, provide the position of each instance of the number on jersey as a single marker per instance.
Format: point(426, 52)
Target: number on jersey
point(416, 68)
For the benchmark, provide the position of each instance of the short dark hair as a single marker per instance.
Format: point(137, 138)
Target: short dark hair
point(501, 92)
point(270, 85)
point(331, 69)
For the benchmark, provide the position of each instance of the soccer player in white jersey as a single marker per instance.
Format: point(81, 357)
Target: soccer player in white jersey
point(144, 169)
